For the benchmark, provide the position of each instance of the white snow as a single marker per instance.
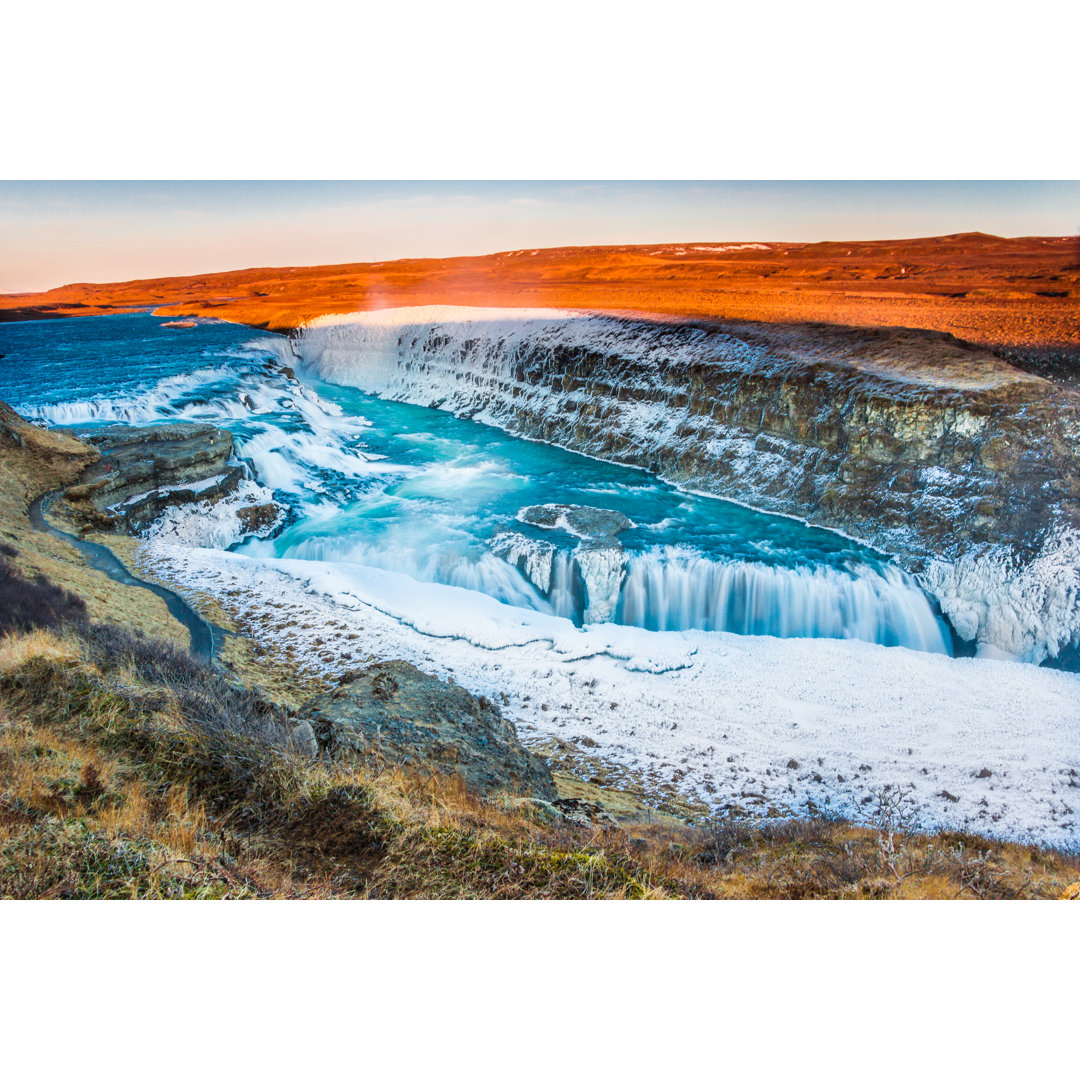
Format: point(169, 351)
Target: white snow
point(201, 525)
point(731, 247)
point(534, 558)
point(719, 715)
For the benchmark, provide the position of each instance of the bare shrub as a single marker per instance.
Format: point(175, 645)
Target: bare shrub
point(204, 697)
point(32, 604)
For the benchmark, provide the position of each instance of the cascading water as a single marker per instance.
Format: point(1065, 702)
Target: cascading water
point(677, 588)
point(418, 535)
point(441, 499)
point(681, 590)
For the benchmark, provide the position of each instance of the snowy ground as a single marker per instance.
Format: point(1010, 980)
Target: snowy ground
point(732, 720)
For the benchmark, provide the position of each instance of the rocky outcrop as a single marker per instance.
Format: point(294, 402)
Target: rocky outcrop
point(589, 522)
point(911, 440)
point(142, 471)
point(582, 584)
point(391, 713)
point(179, 479)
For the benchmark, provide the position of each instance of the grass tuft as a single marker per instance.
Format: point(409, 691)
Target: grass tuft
point(27, 604)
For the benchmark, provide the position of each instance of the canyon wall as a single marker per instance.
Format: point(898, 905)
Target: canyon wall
point(922, 445)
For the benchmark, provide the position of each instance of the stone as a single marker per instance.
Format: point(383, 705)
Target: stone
point(256, 519)
point(144, 470)
point(588, 522)
point(303, 739)
point(391, 711)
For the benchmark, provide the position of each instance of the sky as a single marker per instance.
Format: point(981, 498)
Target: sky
point(58, 232)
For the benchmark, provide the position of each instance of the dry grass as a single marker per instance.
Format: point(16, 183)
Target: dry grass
point(33, 461)
point(19, 649)
point(120, 781)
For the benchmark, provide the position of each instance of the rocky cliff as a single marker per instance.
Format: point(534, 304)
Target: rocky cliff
point(141, 475)
point(142, 471)
point(915, 442)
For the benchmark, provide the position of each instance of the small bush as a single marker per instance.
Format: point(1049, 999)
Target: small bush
point(38, 604)
point(204, 697)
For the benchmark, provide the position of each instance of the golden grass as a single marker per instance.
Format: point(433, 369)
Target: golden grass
point(112, 789)
point(19, 649)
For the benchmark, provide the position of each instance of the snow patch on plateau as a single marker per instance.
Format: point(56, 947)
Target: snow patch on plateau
point(731, 247)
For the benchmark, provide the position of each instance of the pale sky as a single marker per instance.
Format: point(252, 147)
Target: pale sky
point(55, 233)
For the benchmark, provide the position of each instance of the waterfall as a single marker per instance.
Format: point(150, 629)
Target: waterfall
point(672, 589)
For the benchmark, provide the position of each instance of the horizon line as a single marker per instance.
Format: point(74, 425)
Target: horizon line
point(537, 250)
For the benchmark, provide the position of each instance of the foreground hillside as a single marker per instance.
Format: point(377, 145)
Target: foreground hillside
point(132, 771)
point(1019, 293)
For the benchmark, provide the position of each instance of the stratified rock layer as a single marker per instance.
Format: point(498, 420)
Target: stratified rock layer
point(145, 470)
point(910, 440)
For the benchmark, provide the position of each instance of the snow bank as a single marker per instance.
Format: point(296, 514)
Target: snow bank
point(718, 715)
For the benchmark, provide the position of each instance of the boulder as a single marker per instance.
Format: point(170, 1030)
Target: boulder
point(392, 713)
point(588, 522)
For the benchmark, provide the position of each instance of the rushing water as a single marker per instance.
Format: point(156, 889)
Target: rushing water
point(437, 497)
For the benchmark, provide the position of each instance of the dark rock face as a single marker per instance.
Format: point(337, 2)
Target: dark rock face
point(393, 713)
point(145, 470)
point(585, 521)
